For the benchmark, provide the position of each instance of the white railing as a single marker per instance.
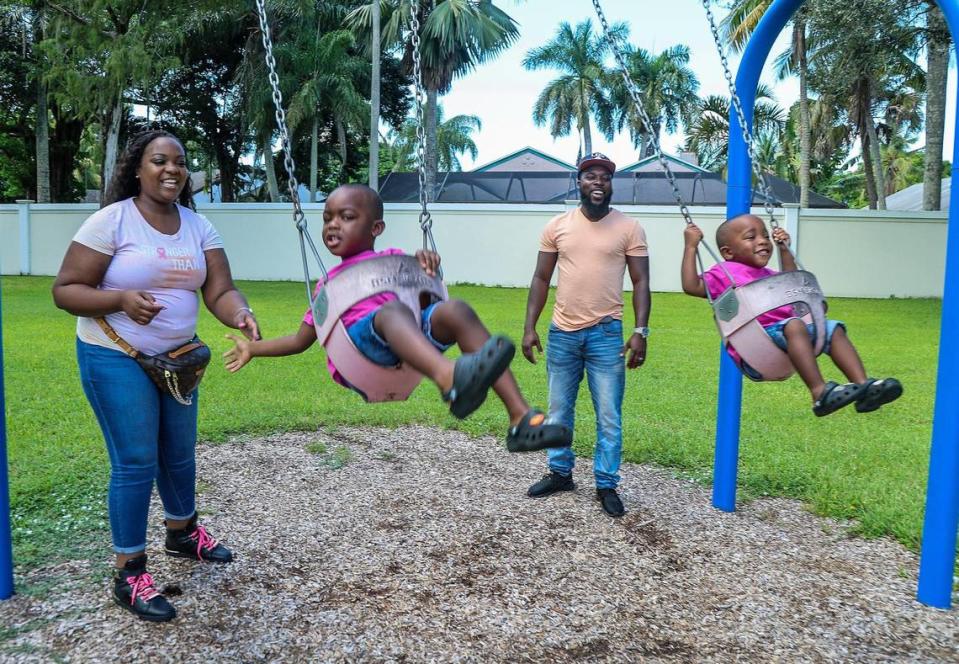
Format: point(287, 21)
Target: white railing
point(855, 253)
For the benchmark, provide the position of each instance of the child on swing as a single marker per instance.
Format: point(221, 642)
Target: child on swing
point(745, 245)
point(387, 333)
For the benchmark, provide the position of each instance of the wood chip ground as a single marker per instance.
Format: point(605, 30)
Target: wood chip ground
point(419, 545)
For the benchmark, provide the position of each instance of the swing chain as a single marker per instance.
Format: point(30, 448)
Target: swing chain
point(298, 216)
point(425, 220)
point(741, 117)
point(644, 116)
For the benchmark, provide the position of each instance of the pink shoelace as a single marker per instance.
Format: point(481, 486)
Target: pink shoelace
point(204, 540)
point(142, 585)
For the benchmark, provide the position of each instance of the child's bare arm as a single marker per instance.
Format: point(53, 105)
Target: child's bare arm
point(786, 258)
point(692, 282)
point(245, 350)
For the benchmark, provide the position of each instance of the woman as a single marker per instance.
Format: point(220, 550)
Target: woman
point(138, 262)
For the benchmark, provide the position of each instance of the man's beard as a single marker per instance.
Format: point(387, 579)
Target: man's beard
point(595, 210)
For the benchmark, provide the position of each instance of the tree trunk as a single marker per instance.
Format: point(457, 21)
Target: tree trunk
point(374, 172)
point(43, 119)
point(341, 141)
point(270, 171)
point(227, 164)
point(805, 121)
point(867, 167)
point(314, 153)
point(64, 148)
point(111, 140)
point(937, 70)
point(42, 143)
point(587, 138)
point(876, 154)
point(429, 117)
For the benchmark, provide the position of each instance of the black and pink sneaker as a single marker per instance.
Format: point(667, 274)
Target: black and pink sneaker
point(134, 590)
point(193, 541)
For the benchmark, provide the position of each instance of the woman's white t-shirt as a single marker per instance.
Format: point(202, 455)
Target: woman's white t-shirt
point(172, 268)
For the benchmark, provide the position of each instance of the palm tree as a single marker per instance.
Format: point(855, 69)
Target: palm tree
point(330, 69)
point(708, 134)
point(453, 138)
point(456, 36)
point(579, 92)
point(937, 62)
point(669, 91)
point(738, 25)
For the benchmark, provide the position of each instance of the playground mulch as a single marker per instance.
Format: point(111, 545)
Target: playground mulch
point(418, 544)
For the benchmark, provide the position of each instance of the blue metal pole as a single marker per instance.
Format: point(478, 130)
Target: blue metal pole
point(941, 524)
point(738, 200)
point(6, 542)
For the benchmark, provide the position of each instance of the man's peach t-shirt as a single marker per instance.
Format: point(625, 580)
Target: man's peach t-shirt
point(592, 262)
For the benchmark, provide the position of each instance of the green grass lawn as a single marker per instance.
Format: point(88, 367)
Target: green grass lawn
point(871, 468)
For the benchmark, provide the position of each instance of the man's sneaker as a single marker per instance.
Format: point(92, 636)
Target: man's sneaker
point(133, 589)
point(193, 541)
point(612, 505)
point(551, 484)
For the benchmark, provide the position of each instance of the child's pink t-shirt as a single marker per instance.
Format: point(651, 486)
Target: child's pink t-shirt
point(362, 308)
point(718, 282)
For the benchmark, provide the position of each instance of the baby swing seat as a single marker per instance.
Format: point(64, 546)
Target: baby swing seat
point(737, 309)
point(401, 275)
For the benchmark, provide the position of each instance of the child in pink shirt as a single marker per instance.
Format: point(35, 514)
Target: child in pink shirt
point(745, 245)
point(387, 333)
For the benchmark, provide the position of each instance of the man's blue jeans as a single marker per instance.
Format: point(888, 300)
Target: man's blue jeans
point(149, 437)
point(597, 350)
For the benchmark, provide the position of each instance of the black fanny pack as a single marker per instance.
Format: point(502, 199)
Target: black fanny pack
point(176, 372)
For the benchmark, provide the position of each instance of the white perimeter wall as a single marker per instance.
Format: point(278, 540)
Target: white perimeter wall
point(855, 253)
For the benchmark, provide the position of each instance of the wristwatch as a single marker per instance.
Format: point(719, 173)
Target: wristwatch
point(641, 331)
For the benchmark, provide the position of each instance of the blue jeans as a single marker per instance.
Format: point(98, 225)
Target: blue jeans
point(596, 350)
point(149, 436)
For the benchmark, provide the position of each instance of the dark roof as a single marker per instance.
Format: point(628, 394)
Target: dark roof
point(555, 187)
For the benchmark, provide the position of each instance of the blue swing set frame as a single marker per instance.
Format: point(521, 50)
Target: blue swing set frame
point(941, 524)
point(938, 554)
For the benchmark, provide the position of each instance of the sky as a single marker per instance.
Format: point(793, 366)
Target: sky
point(502, 93)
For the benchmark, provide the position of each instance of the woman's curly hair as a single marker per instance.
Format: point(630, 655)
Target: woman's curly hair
point(125, 183)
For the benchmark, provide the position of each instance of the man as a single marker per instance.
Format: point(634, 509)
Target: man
point(593, 246)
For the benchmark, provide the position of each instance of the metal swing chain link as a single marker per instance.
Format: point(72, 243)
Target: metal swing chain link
point(425, 219)
point(741, 117)
point(299, 217)
point(653, 138)
point(638, 104)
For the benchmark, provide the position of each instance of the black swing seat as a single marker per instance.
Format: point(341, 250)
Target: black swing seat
point(737, 309)
point(401, 275)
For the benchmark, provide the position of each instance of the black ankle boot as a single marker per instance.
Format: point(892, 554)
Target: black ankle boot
point(193, 541)
point(133, 589)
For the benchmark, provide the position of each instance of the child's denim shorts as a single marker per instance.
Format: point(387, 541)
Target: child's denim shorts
point(374, 347)
point(776, 333)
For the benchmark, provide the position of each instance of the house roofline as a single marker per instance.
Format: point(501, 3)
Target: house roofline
point(642, 162)
point(538, 153)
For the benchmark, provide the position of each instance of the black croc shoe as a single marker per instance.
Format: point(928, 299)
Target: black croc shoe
point(193, 541)
point(534, 433)
point(133, 589)
point(550, 484)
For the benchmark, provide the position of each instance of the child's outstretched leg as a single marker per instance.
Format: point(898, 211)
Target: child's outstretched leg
point(875, 392)
point(827, 397)
point(454, 321)
point(464, 383)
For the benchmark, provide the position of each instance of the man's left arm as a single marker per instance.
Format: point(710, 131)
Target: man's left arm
point(639, 274)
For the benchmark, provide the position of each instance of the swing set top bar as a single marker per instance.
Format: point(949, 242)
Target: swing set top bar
point(941, 522)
